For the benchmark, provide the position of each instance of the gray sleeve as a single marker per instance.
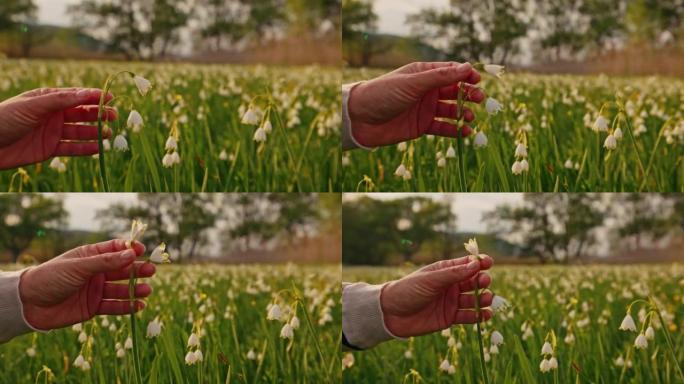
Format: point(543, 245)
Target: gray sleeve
point(363, 324)
point(12, 322)
point(348, 141)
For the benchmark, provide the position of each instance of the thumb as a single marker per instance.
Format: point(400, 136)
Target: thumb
point(440, 77)
point(105, 262)
point(60, 100)
point(447, 277)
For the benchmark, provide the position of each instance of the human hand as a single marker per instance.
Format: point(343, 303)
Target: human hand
point(437, 296)
point(402, 105)
point(44, 123)
point(76, 286)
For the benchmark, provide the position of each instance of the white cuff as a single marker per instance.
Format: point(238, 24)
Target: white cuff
point(12, 321)
point(363, 323)
point(348, 140)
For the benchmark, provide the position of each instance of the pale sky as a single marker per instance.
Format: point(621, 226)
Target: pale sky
point(83, 207)
point(468, 207)
point(54, 11)
point(392, 13)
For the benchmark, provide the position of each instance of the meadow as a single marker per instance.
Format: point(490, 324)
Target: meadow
point(584, 306)
point(294, 112)
point(554, 117)
point(225, 307)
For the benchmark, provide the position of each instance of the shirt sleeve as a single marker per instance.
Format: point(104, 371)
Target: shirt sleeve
point(363, 325)
point(348, 140)
point(12, 321)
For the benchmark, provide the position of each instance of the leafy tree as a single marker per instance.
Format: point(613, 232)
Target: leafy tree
point(15, 12)
point(359, 27)
point(644, 217)
point(166, 17)
point(225, 22)
point(26, 217)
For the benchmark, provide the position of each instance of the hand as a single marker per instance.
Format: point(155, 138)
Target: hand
point(402, 105)
point(77, 285)
point(437, 296)
point(43, 123)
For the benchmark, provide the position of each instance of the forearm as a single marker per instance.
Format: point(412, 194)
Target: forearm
point(12, 321)
point(363, 325)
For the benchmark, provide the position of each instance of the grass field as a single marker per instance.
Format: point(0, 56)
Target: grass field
point(204, 106)
point(227, 307)
point(553, 116)
point(587, 302)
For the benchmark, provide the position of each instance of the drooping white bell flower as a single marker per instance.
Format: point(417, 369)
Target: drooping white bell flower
point(199, 356)
point(142, 84)
point(120, 143)
point(287, 331)
point(135, 121)
point(347, 360)
point(610, 143)
point(493, 106)
point(223, 155)
point(193, 340)
point(650, 333)
point(251, 355)
point(294, 322)
point(31, 352)
point(494, 70)
point(251, 117)
point(628, 324)
point(520, 150)
point(128, 344)
point(171, 144)
point(524, 165)
point(274, 312)
point(516, 168)
point(451, 152)
point(553, 363)
point(79, 361)
point(641, 342)
point(544, 366)
point(190, 358)
point(400, 171)
point(58, 165)
point(159, 255)
point(260, 135)
point(496, 338)
point(499, 303)
point(480, 140)
point(441, 162)
point(471, 247)
point(568, 164)
point(601, 124)
point(618, 133)
point(268, 127)
point(401, 147)
point(444, 365)
point(154, 328)
point(547, 349)
point(137, 230)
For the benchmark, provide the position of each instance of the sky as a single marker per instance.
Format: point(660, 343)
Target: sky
point(468, 207)
point(54, 11)
point(392, 13)
point(83, 207)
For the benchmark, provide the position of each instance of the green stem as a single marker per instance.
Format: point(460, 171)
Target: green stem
point(459, 141)
point(479, 331)
point(669, 341)
point(136, 357)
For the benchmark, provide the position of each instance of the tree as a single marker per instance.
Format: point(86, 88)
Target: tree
point(25, 217)
point(643, 216)
point(359, 27)
point(15, 12)
point(225, 20)
point(166, 17)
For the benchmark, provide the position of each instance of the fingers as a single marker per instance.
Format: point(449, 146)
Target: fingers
point(441, 76)
point(83, 132)
point(446, 264)
point(88, 113)
point(105, 262)
point(441, 128)
point(452, 111)
point(471, 93)
point(112, 307)
point(120, 291)
point(418, 67)
point(469, 316)
point(60, 99)
point(114, 245)
point(454, 275)
point(67, 148)
point(483, 280)
point(141, 270)
point(467, 300)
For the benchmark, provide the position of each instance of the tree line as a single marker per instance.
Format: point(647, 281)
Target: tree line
point(148, 29)
point(497, 31)
point(551, 227)
point(240, 222)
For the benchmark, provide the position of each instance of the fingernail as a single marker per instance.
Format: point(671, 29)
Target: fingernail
point(465, 67)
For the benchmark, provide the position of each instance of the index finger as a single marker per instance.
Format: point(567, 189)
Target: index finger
point(114, 245)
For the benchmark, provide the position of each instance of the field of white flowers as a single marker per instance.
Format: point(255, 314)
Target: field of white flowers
point(553, 134)
point(202, 324)
point(199, 128)
point(578, 310)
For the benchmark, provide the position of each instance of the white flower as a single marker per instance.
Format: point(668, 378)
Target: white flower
point(480, 140)
point(82, 337)
point(524, 165)
point(274, 312)
point(120, 143)
point(106, 144)
point(521, 150)
point(80, 360)
point(493, 106)
point(628, 324)
point(494, 69)
point(650, 333)
point(223, 155)
point(250, 117)
point(407, 175)
point(611, 142)
point(198, 355)
point(260, 135)
point(190, 358)
point(171, 144)
point(287, 332)
point(620, 361)
point(444, 365)
point(601, 124)
point(408, 354)
point(31, 352)
point(159, 255)
point(498, 303)
point(268, 127)
point(547, 349)
point(137, 230)
point(471, 247)
point(294, 322)
point(494, 350)
point(400, 171)
point(553, 363)
point(85, 366)
point(544, 366)
point(569, 338)
point(516, 168)
point(170, 159)
point(128, 344)
point(641, 342)
point(347, 360)
point(452, 369)
point(441, 162)
point(568, 164)
point(135, 121)
point(251, 355)
point(401, 147)
point(58, 165)
point(618, 133)
point(120, 353)
point(451, 152)
point(77, 327)
point(154, 328)
point(143, 84)
point(193, 340)
point(496, 338)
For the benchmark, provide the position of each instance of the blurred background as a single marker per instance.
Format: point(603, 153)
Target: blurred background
point(539, 228)
point(237, 31)
point(197, 228)
point(546, 36)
